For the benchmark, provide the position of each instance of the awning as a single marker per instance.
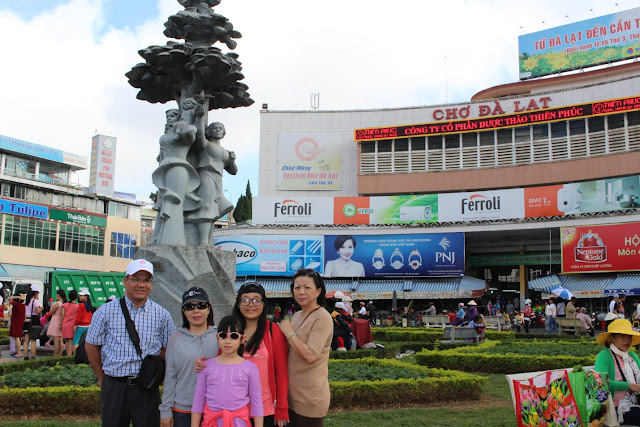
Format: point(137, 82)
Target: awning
point(582, 285)
point(340, 285)
point(379, 289)
point(369, 289)
point(274, 288)
point(446, 287)
point(627, 284)
point(18, 271)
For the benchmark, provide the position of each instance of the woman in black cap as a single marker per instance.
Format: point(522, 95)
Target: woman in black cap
point(196, 338)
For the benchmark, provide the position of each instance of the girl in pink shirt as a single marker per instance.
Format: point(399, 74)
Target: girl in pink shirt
point(228, 389)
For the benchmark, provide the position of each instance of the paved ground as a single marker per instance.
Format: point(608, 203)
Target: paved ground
point(40, 352)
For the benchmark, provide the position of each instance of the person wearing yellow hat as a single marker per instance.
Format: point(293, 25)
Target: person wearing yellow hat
point(622, 367)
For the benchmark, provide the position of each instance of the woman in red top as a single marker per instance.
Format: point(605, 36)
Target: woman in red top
point(83, 318)
point(69, 313)
point(266, 346)
point(17, 322)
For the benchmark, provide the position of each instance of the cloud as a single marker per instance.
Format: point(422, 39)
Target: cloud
point(63, 70)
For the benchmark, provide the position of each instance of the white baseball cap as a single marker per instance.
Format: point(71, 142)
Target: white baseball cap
point(84, 292)
point(139, 265)
point(340, 305)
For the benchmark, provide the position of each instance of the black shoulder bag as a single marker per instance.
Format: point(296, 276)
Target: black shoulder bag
point(151, 372)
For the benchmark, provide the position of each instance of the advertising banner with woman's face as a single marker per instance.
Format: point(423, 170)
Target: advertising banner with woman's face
point(438, 254)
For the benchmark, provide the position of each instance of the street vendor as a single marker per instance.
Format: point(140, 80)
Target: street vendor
point(622, 366)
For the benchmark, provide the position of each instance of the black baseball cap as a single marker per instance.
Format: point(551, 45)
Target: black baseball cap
point(194, 294)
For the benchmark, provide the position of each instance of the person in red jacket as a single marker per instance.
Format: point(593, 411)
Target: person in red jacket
point(83, 318)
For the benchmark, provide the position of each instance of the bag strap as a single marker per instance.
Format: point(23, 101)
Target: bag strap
point(131, 327)
point(615, 358)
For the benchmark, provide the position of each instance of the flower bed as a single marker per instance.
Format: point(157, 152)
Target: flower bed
point(391, 349)
point(500, 358)
point(402, 384)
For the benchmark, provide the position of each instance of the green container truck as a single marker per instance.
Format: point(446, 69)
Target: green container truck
point(100, 285)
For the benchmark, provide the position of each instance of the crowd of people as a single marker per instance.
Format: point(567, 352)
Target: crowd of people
point(59, 324)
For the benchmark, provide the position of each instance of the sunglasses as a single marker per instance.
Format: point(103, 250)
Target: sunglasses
point(232, 335)
point(191, 306)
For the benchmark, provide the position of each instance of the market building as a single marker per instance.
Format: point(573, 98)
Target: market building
point(528, 174)
point(48, 221)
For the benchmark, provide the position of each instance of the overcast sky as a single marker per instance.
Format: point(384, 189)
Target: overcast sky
point(63, 65)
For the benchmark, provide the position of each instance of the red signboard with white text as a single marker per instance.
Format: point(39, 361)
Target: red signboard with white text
point(601, 248)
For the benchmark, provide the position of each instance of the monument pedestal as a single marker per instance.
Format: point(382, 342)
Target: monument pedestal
point(178, 268)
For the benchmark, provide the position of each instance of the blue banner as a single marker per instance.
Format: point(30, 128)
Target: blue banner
point(438, 254)
point(274, 255)
point(31, 149)
point(23, 209)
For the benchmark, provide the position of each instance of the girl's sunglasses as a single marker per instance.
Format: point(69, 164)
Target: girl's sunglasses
point(191, 306)
point(232, 335)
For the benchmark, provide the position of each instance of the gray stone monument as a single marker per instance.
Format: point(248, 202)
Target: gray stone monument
point(191, 160)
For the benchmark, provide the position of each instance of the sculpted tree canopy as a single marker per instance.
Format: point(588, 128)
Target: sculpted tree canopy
point(200, 78)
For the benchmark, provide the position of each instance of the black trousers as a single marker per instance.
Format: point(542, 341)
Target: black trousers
point(632, 417)
point(297, 420)
point(121, 403)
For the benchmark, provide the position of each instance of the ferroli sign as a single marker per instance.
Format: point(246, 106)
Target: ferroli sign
point(481, 205)
point(601, 248)
point(292, 210)
point(78, 218)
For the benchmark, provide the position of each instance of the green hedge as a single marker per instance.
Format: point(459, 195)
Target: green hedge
point(4, 332)
point(391, 349)
point(440, 385)
point(50, 400)
point(472, 359)
point(6, 368)
point(393, 334)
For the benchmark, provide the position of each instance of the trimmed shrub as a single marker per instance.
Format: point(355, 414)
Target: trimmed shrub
point(6, 368)
point(391, 349)
point(475, 359)
point(4, 333)
point(50, 400)
point(440, 385)
point(393, 334)
point(51, 376)
point(437, 385)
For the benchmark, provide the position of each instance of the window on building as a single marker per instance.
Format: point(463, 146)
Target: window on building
point(29, 233)
point(487, 138)
point(596, 124)
point(368, 147)
point(384, 146)
point(522, 134)
point(22, 168)
point(470, 139)
point(13, 190)
point(417, 143)
point(53, 174)
point(540, 132)
point(452, 141)
point(577, 127)
point(435, 142)
point(558, 129)
point(401, 145)
point(504, 136)
point(123, 245)
point(633, 118)
point(81, 239)
point(615, 121)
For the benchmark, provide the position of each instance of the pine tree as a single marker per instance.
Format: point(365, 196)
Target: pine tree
point(242, 212)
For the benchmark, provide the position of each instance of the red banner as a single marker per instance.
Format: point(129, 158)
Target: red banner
point(601, 248)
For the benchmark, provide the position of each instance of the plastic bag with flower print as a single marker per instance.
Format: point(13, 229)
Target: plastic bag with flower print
point(550, 405)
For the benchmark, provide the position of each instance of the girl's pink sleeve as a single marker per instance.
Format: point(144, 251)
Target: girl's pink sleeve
point(200, 394)
point(255, 392)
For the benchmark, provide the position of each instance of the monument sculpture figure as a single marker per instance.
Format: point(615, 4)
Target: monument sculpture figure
point(200, 78)
point(213, 159)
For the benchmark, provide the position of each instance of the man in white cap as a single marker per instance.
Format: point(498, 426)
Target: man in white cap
point(113, 355)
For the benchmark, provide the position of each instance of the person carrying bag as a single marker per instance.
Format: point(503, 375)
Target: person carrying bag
point(151, 372)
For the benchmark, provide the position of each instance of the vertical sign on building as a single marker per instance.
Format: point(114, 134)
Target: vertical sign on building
point(103, 161)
